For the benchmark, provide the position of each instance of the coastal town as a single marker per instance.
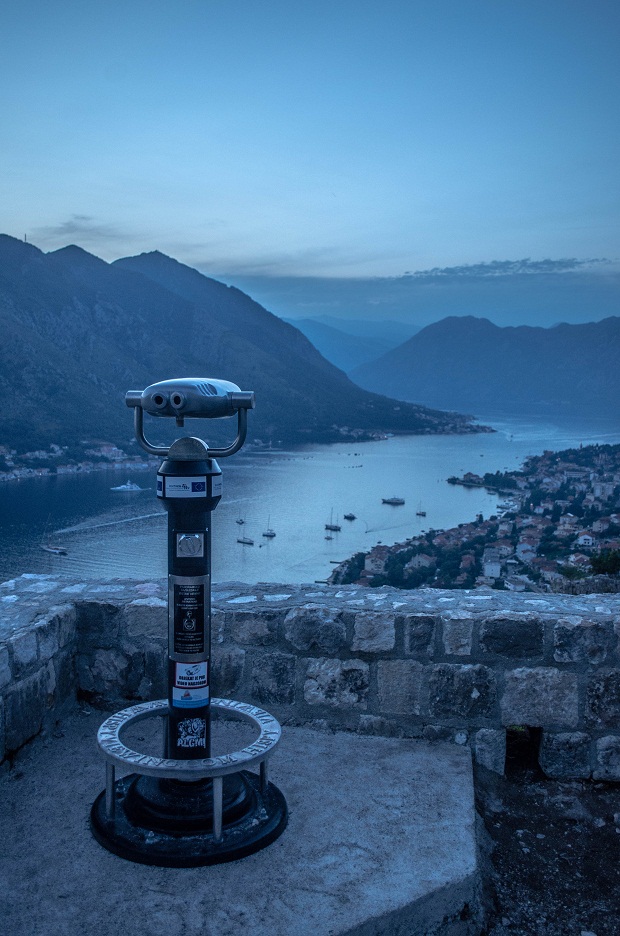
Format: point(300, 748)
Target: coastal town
point(557, 528)
point(65, 460)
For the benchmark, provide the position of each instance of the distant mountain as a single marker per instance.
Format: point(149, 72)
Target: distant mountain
point(343, 349)
point(469, 364)
point(384, 329)
point(77, 333)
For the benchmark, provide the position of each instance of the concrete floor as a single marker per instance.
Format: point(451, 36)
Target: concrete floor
point(380, 841)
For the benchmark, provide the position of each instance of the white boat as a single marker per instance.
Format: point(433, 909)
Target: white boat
point(269, 533)
point(49, 547)
point(55, 550)
point(128, 486)
point(245, 540)
point(394, 501)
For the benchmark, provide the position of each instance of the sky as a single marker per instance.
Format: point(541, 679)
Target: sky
point(264, 140)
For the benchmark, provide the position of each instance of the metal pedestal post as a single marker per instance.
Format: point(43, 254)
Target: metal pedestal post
point(188, 808)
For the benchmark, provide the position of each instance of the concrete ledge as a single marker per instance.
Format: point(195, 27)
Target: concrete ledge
point(380, 841)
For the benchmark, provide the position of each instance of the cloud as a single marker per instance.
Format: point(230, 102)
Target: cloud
point(496, 268)
point(107, 240)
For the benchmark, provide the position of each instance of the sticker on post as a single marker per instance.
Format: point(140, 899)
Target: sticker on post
point(189, 608)
point(185, 487)
point(192, 733)
point(190, 688)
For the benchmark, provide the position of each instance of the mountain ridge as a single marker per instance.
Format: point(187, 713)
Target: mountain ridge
point(79, 332)
point(472, 364)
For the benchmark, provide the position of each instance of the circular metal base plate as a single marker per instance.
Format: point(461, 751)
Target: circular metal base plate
point(243, 835)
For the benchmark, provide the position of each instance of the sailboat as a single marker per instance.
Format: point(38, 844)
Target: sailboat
point(419, 512)
point(269, 533)
point(331, 526)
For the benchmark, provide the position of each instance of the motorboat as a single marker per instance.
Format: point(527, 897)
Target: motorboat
point(349, 516)
point(394, 501)
point(128, 486)
point(245, 540)
point(55, 550)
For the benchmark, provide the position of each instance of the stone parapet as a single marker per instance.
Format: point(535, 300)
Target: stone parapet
point(448, 665)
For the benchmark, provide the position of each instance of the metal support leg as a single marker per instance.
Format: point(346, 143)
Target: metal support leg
point(263, 776)
point(218, 788)
point(109, 790)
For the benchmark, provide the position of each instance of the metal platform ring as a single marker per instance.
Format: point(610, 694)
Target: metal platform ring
point(116, 752)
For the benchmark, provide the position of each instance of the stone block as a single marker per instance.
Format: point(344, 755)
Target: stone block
point(373, 631)
point(66, 680)
point(24, 651)
point(50, 672)
point(490, 749)
point(67, 624)
point(273, 678)
point(25, 707)
point(144, 617)
point(603, 699)
point(607, 759)
point(226, 670)
point(312, 627)
point(257, 628)
point(457, 633)
point(459, 690)
point(540, 697)
point(580, 641)
point(47, 632)
point(517, 635)
point(2, 731)
point(438, 733)
point(103, 672)
point(5, 667)
point(338, 683)
point(156, 672)
point(400, 686)
point(98, 625)
point(419, 632)
point(379, 727)
point(565, 755)
point(133, 685)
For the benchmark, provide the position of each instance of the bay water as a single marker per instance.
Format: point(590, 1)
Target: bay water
point(110, 534)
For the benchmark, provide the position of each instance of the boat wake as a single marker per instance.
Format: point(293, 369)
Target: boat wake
point(84, 528)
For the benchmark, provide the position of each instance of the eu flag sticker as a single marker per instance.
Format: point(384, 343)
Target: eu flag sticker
point(199, 487)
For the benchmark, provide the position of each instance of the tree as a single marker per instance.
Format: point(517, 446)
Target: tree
point(606, 562)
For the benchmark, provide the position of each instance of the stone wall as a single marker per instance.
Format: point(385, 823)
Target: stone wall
point(449, 665)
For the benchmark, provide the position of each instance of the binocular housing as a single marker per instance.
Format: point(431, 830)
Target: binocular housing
point(192, 398)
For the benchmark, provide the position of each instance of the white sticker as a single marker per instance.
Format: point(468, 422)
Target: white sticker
point(190, 689)
point(185, 487)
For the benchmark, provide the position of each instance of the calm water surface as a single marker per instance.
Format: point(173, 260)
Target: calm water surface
point(109, 534)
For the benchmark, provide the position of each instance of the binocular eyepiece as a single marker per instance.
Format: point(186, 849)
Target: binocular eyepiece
point(192, 397)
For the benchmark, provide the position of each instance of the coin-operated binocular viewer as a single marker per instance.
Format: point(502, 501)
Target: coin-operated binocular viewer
point(188, 808)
